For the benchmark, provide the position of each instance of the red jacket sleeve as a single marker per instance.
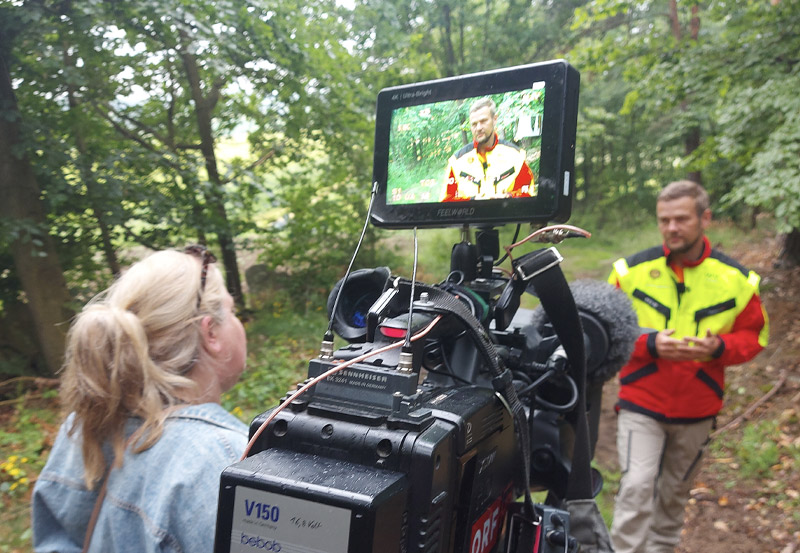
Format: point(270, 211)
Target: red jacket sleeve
point(744, 340)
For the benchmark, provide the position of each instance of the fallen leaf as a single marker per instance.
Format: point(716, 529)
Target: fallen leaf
point(721, 525)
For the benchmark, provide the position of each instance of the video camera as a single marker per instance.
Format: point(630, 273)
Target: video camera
point(449, 402)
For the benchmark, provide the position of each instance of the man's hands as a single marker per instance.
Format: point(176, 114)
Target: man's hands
point(689, 348)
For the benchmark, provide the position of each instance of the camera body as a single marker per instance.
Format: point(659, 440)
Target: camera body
point(392, 456)
point(430, 471)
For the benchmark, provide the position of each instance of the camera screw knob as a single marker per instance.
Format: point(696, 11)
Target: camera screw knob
point(424, 300)
point(405, 364)
point(326, 349)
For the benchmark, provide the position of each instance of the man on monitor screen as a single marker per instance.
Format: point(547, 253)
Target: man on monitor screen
point(489, 167)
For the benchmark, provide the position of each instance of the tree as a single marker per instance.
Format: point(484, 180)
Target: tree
point(718, 78)
point(415, 41)
point(754, 69)
point(638, 51)
point(130, 103)
point(25, 227)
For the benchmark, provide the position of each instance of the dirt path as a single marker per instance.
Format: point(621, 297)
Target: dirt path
point(730, 511)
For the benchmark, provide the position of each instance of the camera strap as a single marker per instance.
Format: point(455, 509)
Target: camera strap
point(541, 271)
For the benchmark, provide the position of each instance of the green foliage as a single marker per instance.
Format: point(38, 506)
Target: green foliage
point(124, 105)
point(712, 89)
point(280, 343)
point(758, 448)
point(310, 212)
point(116, 97)
point(413, 41)
point(23, 448)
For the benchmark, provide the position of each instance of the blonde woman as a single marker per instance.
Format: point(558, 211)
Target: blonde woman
point(136, 464)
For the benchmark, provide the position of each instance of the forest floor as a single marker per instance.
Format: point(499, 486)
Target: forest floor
point(746, 497)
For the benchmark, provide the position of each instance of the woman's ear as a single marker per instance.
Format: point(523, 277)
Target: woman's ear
point(208, 330)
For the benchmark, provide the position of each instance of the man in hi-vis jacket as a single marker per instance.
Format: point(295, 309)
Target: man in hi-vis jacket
point(489, 167)
point(700, 311)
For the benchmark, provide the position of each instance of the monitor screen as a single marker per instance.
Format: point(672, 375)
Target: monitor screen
point(489, 148)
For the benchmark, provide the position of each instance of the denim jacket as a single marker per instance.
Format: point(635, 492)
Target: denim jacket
point(161, 500)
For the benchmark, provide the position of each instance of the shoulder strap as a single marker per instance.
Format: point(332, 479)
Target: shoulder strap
point(98, 504)
point(87, 539)
point(541, 270)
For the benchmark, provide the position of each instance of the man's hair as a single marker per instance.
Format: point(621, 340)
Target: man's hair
point(685, 189)
point(484, 103)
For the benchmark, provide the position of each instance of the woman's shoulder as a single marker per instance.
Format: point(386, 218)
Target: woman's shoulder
point(211, 414)
point(197, 443)
point(207, 430)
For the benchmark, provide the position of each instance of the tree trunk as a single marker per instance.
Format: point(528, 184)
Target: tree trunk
point(691, 143)
point(88, 176)
point(83, 162)
point(35, 260)
point(692, 137)
point(447, 41)
point(204, 106)
point(790, 253)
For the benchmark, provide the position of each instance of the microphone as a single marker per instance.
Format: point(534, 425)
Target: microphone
point(610, 327)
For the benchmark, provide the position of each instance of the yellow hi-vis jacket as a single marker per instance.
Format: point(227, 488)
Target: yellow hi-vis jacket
point(716, 294)
point(503, 172)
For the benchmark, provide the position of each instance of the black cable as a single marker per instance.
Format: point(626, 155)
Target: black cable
point(521, 376)
point(539, 381)
point(513, 241)
point(565, 407)
point(329, 331)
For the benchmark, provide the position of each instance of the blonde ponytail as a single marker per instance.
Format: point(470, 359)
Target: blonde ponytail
point(130, 353)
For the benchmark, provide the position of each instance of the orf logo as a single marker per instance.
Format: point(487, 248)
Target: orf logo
point(487, 528)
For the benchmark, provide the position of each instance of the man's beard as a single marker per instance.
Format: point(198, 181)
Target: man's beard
point(487, 141)
point(680, 250)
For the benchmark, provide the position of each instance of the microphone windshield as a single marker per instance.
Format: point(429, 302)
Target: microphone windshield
point(610, 326)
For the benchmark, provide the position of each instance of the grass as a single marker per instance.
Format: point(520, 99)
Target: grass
point(762, 447)
point(605, 500)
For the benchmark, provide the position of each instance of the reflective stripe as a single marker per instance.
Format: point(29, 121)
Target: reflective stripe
point(721, 307)
point(621, 266)
point(654, 303)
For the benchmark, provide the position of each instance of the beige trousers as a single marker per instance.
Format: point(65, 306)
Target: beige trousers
point(658, 462)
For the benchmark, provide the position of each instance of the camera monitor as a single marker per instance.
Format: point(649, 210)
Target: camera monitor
point(488, 148)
